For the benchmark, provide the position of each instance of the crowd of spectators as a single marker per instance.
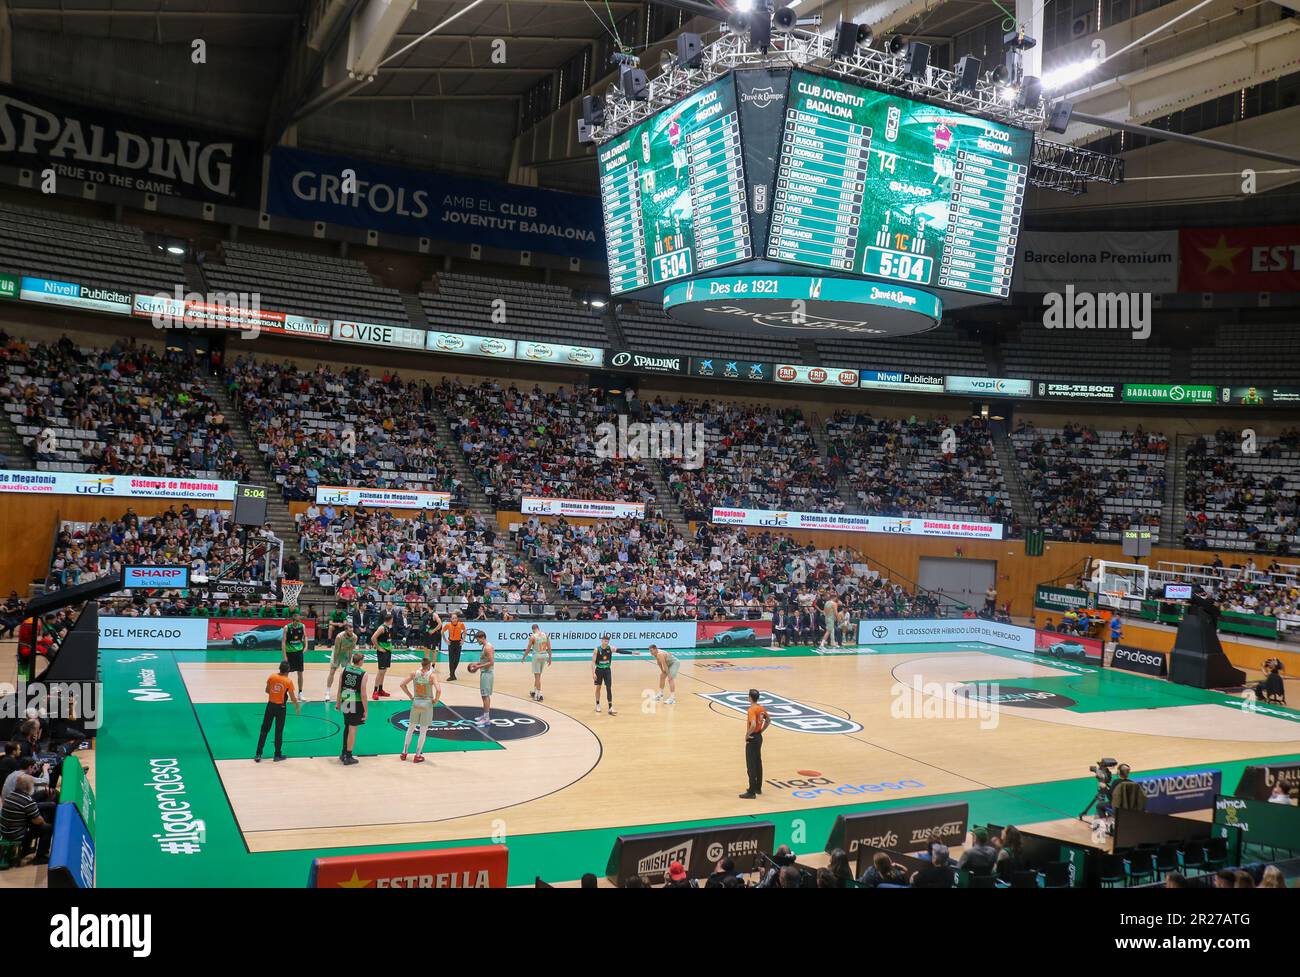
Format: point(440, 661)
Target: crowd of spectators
point(540, 442)
point(753, 456)
point(1243, 495)
point(913, 467)
point(128, 409)
point(1089, 485)
point(347, 427)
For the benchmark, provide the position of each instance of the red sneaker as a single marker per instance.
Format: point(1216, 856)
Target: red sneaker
point(419, 758)
point(403, 757)
point(382, 694)
point(375, 694)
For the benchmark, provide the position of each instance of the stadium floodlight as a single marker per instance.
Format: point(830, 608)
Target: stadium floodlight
point(1060, 77)
point(745, 6)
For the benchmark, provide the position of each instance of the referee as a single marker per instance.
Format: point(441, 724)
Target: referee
point(756, 721)
point(279, 688)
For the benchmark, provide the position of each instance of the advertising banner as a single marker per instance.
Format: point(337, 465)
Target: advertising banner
point(1177, 394)
point(816, 376)
point(1067, 647)
point(1258, 780)
point(75, 789)
point(533, 505)
point(1139, 660)
point(153, 633)
point(714, 367)
point(115, 486)
point(1077, 391)
point(72, 851)
point(252, 633)
point(908, 631)
point(96, 146)
point(1264, 824)
point(466, 345)
point(9, 287)
point(480, 867)
point(374, 334)
point(899, 830)
point(1175, 793)
point(1097, 261)
point(585, 635)
point(989, 386)
point(917, 383)
point(560, 353)
point(631, 359)
point(306, 186)
point(154, 578)
point(192, 313)
point(850, 523)
point(727, 634)
point(1259, 395)
point(698, 849)
point(1240, 259)
point(382, 498)
point(75, 295)
point(1063, 598)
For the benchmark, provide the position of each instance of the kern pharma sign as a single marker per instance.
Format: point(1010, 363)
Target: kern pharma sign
point(90, 145)
point(849, 523)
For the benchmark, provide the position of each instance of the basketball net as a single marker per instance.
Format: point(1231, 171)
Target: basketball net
point(290, 590)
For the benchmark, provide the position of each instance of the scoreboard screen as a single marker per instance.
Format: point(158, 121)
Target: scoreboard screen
point(870, 183)
point(673, 192)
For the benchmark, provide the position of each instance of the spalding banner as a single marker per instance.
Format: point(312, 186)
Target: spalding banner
point(308, 186)
point(481, 867)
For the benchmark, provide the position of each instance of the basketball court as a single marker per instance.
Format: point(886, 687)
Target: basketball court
point(183, 804)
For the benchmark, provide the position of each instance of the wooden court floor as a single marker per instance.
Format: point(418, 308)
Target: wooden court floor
point(862, 728)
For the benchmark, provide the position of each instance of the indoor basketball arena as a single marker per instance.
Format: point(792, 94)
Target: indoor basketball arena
point(670, 444)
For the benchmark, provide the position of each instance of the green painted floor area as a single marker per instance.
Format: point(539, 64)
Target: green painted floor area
point(231, 729)
point(164, 819)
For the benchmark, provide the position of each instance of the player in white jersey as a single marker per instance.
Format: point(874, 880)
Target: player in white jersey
point(539, 646)
point(423, 696)
point(668, 667)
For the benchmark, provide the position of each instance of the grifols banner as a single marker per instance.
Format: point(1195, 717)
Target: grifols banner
point(90, 145)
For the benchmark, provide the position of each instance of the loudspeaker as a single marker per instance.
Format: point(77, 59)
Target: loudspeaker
point(633, 83)
point(690, 50)
point(846, 39)
point(968, 72)
point(760, 31)
point(593, 110)
point(918, 60)
point(784, 18)
point(1058, 120)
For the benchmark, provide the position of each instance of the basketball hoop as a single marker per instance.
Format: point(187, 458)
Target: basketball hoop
point(290, 590)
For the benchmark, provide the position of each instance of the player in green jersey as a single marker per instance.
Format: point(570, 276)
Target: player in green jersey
point(351, 702)
point(382, 642)
point(293, 642)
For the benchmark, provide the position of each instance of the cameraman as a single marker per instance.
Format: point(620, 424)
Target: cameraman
point(1126, 793)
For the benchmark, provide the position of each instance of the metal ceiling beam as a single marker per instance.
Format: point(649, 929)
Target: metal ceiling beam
point(154, 14)
point(470, 70)
point(323, 24)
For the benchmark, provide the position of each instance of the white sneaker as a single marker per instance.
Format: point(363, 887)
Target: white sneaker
point(670, 701)
point(540, 697)
point(598, 707)
point(612, 712)
point(659, 697)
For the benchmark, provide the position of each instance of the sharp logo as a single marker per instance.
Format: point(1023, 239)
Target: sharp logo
point(657, 863)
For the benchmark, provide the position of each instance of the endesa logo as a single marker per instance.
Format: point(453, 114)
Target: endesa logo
point(811, 785)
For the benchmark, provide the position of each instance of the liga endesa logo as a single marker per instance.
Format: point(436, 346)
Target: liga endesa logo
point(811, 784)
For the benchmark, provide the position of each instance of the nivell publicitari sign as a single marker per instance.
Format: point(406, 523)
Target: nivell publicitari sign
point(120, 486)
point(848, 522)
point(901, 381)
point(74, 294)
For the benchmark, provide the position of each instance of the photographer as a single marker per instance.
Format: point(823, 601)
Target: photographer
point(1272, 689)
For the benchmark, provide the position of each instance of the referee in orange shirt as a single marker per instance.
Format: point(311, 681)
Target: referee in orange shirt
point(455, 632)
point(279, 688)
point(756, 721)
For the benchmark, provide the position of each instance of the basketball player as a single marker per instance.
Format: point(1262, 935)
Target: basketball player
point(484, 666)
point(382, 642)
point(337, 618)
point(455, 632)
point(602, 658)
point(344, 645)
point(831, 611)
point(351, 702)
point(539, 646)
point(279, 687)
point(668, 667)
point(293, 641)
point(431, 624)
point(756, 722)
point(426, 695)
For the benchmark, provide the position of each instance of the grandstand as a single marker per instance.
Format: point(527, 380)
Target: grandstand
point(368, 350)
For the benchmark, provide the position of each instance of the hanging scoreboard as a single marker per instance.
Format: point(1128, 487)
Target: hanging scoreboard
point(870, 183)
point(673, 192)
